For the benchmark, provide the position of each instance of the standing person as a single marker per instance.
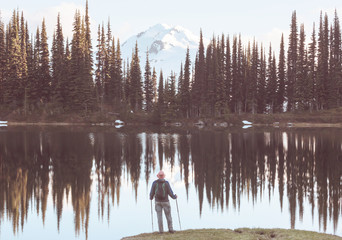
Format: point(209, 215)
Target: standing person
point(161, 189)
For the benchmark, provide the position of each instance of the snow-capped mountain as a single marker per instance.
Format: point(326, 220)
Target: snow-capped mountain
point(166, 46)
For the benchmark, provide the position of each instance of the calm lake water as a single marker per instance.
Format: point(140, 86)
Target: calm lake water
point(94, 183)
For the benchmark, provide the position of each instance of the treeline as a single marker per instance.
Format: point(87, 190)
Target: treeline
point(226, 77)
point(230, 77)
point(32, 78)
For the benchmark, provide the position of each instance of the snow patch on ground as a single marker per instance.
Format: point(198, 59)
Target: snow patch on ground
point(247, 122)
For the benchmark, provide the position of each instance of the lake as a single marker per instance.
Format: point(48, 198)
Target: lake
point(94, 183)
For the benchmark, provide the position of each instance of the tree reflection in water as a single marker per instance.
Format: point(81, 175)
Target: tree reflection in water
point(305, 164)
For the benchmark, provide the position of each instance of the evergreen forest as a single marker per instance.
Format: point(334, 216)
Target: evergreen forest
point(227, 77)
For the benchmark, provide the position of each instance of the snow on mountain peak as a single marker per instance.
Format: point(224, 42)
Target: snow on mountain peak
point(166, 46)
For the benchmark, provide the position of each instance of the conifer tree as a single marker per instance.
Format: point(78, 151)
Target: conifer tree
point(254, 77)
point(148, 85)
point(166, 95)
point(201, 74)
point(77, 64)
point(88, 44)
point(322, 63)
point(281, 77)
point(261, 85)
point(185, 87)
point(301, 84)
point(154, 85)
point(53, 67)
point(112, 73)
point(58, 66)
point(33, 91)
point(106, 63)
point(235, 76)
point(44, 67)
point(31, 69)
point(81, 80)
point(99, 66)
point(312, 71)
point(271, 88)
point(24, 70)
point(240, 71)
point(170, 97)
point(180, 84)
point(198, 89)
point(135, 90)
point(246, 79)
point(117, 77)
point(211, 70)
point(292, 63)
point(3, 58)
point(194, 93)
point(88, 68)
point(221, 106)
point(68, 86)
point(13, 85)
point(127, 82)
point(335, 80)
point(228, 73)
point(161, 97)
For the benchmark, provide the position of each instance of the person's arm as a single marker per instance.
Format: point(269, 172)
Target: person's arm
point(170, 192)
point(152, 190)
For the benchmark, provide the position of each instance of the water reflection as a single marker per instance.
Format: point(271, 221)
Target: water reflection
point(302, 165)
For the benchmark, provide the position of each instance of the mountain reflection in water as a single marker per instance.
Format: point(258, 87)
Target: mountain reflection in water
point(223, 166)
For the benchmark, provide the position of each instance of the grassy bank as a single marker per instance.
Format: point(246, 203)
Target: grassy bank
point(241, 234)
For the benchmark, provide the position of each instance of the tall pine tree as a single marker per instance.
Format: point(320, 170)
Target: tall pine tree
point(58, 67)
point(335, 80)
point(311, 97)
point(148, 85)
point(301, 84)
point(322, 63)
point(88, 87)
point(292, 63)
point(44, 67)
point(13, 85)
point(185, 87)
point(271, 87)
point(281, 77)
point(3, 60)
point(135, 92)
point(261, 85)
point(198, 89)
point(161, 94)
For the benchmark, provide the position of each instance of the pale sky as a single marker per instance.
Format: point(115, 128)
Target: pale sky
point(263, 19)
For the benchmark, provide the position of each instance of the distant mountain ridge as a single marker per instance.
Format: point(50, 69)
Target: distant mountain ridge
point(166, 46)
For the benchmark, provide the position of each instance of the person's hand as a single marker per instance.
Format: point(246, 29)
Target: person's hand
point(176, 196)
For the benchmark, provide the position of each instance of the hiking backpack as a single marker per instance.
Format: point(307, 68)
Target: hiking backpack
point(160, 190)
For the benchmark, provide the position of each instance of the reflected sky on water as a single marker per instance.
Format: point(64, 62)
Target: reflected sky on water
point(89, 183)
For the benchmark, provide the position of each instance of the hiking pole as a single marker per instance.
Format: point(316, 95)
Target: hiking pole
point(152, 215)
point(180, 226)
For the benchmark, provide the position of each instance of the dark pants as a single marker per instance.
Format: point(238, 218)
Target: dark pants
point(167, 210)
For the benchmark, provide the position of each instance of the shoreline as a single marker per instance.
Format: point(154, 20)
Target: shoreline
point(182, 124)
point(328, 118)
